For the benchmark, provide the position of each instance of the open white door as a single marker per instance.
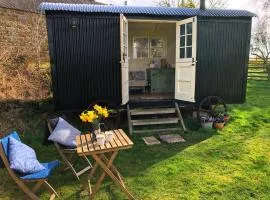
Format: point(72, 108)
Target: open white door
point(185, 67)
point(124, 58)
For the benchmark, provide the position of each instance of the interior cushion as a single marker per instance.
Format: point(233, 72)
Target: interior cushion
point(23, 158)
point(64, 133)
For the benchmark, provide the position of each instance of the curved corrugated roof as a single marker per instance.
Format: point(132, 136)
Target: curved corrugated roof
point(32, 5)
point(145, 11)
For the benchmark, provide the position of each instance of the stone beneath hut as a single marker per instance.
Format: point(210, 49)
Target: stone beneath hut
point(150, 140)
point(172, 138)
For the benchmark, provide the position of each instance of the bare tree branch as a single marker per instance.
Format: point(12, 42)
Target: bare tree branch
point(192, 3)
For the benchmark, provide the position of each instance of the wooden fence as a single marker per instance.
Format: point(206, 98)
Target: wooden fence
point(257, 70)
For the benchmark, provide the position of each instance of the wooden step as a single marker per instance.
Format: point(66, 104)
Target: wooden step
point(156, 130)
point(152, 111)
point(143, 122)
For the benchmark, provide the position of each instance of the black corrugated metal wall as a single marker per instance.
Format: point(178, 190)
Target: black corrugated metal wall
point(85, 55)
point(222, 58)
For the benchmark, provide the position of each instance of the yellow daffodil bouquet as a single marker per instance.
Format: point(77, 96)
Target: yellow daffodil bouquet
point(95, 115)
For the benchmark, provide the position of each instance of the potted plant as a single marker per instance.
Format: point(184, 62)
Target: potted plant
point(94, 116)
point(207, 122)
point(219, 122)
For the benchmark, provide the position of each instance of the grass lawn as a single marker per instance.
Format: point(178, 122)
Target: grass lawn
point(230, 164)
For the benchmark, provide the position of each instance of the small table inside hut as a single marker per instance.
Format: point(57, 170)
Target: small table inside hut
point(104, 156)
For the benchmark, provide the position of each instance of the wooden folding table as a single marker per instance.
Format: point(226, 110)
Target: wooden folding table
point(104, 156)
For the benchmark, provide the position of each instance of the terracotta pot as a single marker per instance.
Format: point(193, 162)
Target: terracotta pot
point(219, 125)
point(226, 118)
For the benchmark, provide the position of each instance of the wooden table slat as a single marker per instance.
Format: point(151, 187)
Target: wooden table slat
point(113, 144)
point(123, 141)
point(116, 140)
point(125, 136)
point(96, 146)
point(108, 145)
point(90, 145)
point(79, 144)
point(84, 143)
point(120, 141)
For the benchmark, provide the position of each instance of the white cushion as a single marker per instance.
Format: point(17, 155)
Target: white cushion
point(64, 133)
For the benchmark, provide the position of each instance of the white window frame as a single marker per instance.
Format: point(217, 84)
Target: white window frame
point(185, 59)
point(149, 46)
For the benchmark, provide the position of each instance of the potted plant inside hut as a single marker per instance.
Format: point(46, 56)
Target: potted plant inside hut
point(219, 121)
point(94, 116)
point(207, 122)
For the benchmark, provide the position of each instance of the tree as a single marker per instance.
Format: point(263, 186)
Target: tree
point(217, 3)
point(177, 3)
point(192, 3)
point(260, 41)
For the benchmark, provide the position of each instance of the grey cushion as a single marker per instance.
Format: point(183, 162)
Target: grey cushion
point(64, 133)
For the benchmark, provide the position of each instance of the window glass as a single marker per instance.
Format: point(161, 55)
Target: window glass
point(157, 47)
point(157, 42)
point(189, 40)
point(189, 28)
point(182, 41)
point(182, 29)
point(157, 52)
point(189, 52)
point(182, 52)
point(140, 47)
point(153, 47)
point(125, 27)
point(125, 39)
point(186, 40)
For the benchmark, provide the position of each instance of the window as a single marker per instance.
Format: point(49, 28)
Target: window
point(125, 38)
point(140, 47)
point(186, 40)
point(157, 47)
point(144, 47)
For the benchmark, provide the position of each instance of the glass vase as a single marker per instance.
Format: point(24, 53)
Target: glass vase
point(95, 130)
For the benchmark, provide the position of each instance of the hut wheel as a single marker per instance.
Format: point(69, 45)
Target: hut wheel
point(211, 106)
point(113, 121)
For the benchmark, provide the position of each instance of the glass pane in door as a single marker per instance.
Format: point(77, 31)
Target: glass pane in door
point(189, 28)
point(182, 29)
point(186, 40)
point(182, 41)
point(189, 52)
point(189, 40)
point(182, 52)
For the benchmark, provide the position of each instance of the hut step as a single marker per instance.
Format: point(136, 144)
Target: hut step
point(143, 122)
point(160, 117)
point(156, 130)
point(153, 111)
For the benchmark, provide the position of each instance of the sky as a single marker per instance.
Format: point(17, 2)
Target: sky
point(233, 4)
point(254, 6)
point(251, 5)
